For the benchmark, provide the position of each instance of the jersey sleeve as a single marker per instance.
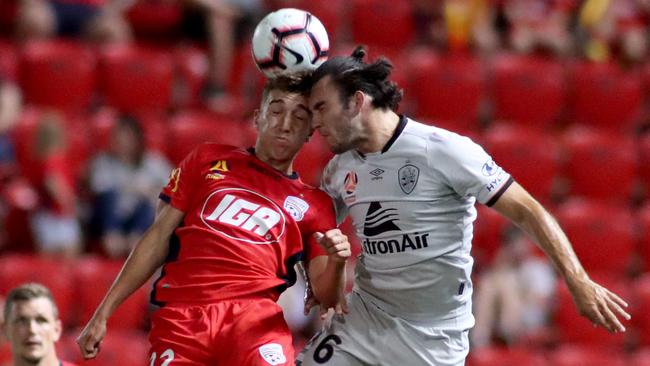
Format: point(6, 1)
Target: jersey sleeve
point(323, 219)
point(469, 170)
point(178, 192)
point(327, 186)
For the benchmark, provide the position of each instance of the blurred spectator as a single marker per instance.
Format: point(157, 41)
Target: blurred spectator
point(540, 25)
point(513, 299)
point(125, 183)
point(614, 27)
point(98, 20)
point(225, 23)
point(54, 223)
point(32, 326)
point(457, 25)
point(10, 108)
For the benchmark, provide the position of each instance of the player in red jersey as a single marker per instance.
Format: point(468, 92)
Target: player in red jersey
point(233, 225)
point(32, 326)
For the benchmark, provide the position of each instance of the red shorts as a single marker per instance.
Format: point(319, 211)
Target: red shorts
point(249, 332)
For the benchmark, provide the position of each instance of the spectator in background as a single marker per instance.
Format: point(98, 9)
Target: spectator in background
point(456, 25)
point(225, 23)
point(540, 25)
point(54, 224)
point(125, 183)
point(10, 108)
point(98, 20)
point(32, 326)
point(614, 27)
point(513, 300)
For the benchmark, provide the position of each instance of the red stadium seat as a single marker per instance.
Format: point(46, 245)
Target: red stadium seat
point(605, 95)
point(602, 235)
point(8, 61)
point(155, 18)
point(528, 90)
point(640, 358)
point(530, 157)
point(189, 129)
point(505, 357)
point(448, 88)
point(385, 23)
point(640, 305)
point(121, 348)
point(643, 148)
point(576, 330)
point(488, 234)
point(56, 74)
point(192, 65)
point(600, 165)
point(582, 356)
point(311, 160)
point(643, 217)
point(135, 79)
point(55, 274)
point(94, 276)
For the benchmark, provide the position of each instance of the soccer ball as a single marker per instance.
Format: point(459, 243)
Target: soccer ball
point(289, 40)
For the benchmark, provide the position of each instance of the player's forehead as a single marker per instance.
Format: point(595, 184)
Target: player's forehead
point(286, 98)
point(32, 308)
point(323, 90)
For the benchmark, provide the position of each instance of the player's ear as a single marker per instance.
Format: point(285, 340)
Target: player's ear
point(357, 101)
point(256, 116)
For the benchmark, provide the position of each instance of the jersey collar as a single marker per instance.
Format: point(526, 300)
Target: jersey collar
point(293, 175)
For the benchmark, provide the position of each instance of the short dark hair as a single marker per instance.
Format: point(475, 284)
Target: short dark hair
point(350, 74)
point(26, 292)
point(298, 83)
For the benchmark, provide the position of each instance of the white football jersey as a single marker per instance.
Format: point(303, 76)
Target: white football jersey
point(413, 207)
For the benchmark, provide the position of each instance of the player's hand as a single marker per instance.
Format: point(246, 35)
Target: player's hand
point(601, 306)
point(91, 337)
point(335, 243)
point(311, 302)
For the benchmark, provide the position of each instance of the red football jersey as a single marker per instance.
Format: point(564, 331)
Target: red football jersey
point(245, 226)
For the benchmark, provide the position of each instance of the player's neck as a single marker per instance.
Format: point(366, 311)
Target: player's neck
point(283, 166)
point(49, 360)
point(379, 127)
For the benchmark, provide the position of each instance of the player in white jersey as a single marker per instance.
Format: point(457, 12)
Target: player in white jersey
point(410, 190)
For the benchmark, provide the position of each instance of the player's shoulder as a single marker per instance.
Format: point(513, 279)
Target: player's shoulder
point(211, 151)
point(440, 140)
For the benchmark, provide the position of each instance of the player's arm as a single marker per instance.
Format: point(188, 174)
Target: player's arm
point(595, 302)
point(327, 272)
point(146, 257)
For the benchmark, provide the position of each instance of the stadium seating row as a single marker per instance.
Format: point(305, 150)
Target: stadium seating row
point(607, 238)
point(533, 91)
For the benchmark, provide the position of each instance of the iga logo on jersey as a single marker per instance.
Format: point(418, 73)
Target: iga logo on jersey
point(243, 215)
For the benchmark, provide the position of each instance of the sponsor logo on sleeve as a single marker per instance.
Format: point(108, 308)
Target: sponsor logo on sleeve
point(490, 168)
point(174, 178)
point(273, 354)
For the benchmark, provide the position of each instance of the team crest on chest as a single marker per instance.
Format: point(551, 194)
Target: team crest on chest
point(408, 177)
point(296, 207)
point(350, 186)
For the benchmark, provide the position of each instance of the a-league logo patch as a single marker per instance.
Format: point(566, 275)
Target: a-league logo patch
point(272, 353)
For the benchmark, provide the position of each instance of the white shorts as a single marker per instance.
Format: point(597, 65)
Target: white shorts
point(367, 335)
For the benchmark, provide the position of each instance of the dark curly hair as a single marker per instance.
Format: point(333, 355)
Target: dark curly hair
point(350, 74)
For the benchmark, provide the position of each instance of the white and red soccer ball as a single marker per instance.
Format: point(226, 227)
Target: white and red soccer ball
point(289, 41)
